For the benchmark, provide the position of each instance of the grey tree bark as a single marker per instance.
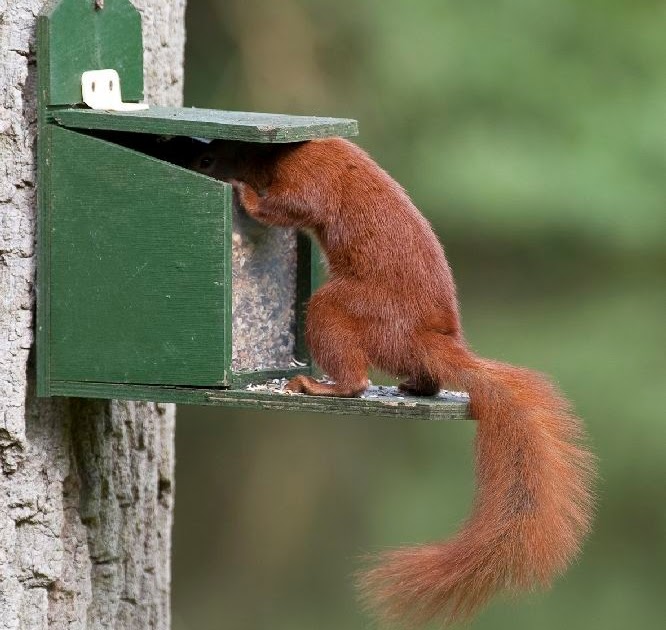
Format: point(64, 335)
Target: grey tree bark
point(86, 487)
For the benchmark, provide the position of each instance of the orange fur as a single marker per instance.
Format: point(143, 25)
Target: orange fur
point(390, 302)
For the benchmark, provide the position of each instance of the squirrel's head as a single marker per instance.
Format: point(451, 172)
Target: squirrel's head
point(250, 162)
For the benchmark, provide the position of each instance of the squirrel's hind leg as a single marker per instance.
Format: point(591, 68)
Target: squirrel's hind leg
point(336, 343)
point(420, 385)
point(346, 366)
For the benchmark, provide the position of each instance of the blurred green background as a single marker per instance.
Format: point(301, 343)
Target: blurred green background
point(533, 135)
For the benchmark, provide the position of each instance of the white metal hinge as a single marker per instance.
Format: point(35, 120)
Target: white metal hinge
point(101, 90)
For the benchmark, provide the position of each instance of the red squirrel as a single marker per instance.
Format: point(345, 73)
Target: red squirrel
point(390, 302)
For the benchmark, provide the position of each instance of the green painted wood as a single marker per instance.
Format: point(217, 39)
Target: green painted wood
point(209, 123)
point(409, 408)
point(72, 37)
point(42, 327)
point(140, 267)
point(210, 204)
point(318, 267)
point(318, 272)
point(304, 290)
point(75, 37)
point(122, 391)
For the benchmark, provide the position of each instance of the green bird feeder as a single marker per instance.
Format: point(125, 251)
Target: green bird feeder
point(150, 284)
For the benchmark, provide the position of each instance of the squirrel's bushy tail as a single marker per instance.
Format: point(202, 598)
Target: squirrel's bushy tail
point(533, 506)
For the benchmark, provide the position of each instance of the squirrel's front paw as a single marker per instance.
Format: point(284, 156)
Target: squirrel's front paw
point(247, 196)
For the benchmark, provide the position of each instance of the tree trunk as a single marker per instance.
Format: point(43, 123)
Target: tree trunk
point(86, 487)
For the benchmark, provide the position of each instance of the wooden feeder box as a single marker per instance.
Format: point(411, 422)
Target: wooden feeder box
point(150, 284)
